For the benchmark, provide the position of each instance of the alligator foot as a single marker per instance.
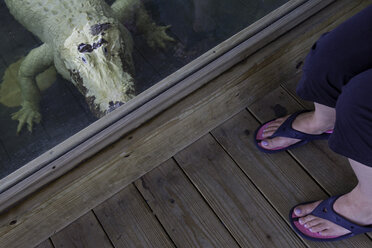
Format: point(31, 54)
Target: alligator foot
point(158, 37)
point(28, 114)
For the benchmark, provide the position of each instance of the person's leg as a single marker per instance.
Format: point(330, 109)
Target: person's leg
point(355, 206)
point(316, 122)
point(352, 138)
point(332, 61)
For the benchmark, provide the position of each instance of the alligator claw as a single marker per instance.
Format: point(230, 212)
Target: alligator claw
point(27, 114)
point(158, 37)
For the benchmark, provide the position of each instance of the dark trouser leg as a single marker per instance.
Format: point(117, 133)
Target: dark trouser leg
point(337, 57)
point(352, 135)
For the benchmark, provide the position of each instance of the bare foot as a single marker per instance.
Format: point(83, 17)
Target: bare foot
point(351, 206)
point(304, 122)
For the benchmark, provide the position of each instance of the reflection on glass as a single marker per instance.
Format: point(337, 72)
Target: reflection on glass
point(65, 63)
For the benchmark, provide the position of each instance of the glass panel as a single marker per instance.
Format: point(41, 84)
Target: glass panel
point(89, 45)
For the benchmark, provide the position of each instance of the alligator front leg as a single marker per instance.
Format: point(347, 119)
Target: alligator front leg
point(37, 61)
point(156, 36)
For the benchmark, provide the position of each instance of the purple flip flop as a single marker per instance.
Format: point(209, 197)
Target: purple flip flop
point(286, 130)
point(325, 211)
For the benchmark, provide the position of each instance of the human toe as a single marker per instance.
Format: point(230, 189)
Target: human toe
point(311, 222)
point(267, 133)
point(275, 142)
point(306, 220)
point(267, 143)
point(318, 228)
point(306, 209)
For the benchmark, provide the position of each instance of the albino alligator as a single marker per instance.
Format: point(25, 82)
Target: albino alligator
point(88, 44)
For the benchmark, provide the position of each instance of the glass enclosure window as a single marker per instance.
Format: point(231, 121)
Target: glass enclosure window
point(88, 62)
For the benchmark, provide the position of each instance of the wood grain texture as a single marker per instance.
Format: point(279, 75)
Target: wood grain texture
point(245, 212)
point(129, 222)
point(84, 232)
point(46, 244)
point(315, 157)
point(278, 176)
point(182, 211)
point(291, 85)
point(113, 168)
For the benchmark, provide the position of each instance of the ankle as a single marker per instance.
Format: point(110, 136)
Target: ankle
point(360, 201)
point(321, 124)
point(361, 195)
point(309, 123)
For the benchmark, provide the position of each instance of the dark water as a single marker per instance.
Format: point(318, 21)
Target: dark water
point(197, 26)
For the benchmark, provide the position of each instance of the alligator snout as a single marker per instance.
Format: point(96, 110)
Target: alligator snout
point(114, 105)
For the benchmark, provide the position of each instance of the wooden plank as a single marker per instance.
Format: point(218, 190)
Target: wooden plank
point(46, 244)
point(182, 211)
point(283, 182)
point(291, 85)
point(315, 157)
point(84, 232)
point(144, 106)
point(136, 153)
point(129, 222)
point(245, 212)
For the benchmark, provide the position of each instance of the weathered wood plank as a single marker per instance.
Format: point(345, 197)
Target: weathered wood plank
point(277, 176)
point(109, 171)
point(315, 157)
point(46, 244)
point(84, 232)
point(241, 207)
point(291, 85)
point(184, 214)
point(128, 221)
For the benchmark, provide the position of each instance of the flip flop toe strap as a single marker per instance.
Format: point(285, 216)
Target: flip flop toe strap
point(325, 211)
point(286, 130)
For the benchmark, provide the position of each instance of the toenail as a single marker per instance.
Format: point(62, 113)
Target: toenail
point(297, 211)
point(264, 143)
point(306, 225)
point(301, 221)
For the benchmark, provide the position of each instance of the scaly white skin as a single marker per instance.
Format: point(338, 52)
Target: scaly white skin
point(65, 24)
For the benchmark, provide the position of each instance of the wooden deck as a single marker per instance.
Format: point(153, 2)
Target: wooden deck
point(191, 176)
point(220, 191)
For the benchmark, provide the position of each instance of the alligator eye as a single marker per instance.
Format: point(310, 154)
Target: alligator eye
point(105, 50)
point(84, 60)
point(85, 48)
